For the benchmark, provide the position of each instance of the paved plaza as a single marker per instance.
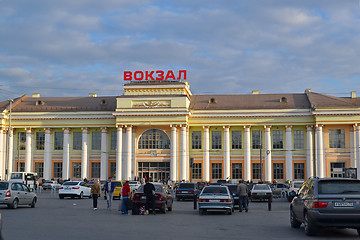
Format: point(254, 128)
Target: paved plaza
point(75, 219)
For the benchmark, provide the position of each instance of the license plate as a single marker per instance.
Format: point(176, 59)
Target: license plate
point(344, 204)
point(185, 192)
point(143, 197)
point(214, 200)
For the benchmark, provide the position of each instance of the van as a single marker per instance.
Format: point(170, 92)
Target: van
point(28, 178)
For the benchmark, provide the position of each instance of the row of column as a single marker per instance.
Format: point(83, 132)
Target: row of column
point(184, 153)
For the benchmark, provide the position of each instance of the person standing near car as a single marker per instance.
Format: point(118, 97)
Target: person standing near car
point(125, 191)
point(149, 191)
point(95, 193)
point(242, 192)
point(109, 190)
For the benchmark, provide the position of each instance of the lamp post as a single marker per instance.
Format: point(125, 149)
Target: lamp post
point(8, 142)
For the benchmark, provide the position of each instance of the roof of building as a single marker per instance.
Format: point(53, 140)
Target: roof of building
point(319, 100)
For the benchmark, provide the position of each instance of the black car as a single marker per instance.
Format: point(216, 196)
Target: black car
point(326, 202)
point(233, 191)
point(186, 191)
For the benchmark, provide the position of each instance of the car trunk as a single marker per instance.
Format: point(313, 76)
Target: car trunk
point(335, 203)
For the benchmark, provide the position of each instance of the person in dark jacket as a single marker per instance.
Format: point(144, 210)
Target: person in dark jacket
point(149, 191)
point(109, 190)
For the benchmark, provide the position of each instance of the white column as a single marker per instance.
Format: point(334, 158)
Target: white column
point(288, 153)
point(247, 154)
point(187, 155)
point(28, 153)
point(119, 153)
point(173, 161)
point(2, 155)
point(11, 153)
point(227, 152)
point(66, 154)
point(48, 153)
point(352, 147)
point(320, 166)
point(309, 152)
point(128, 152)
point(268, 168)
point(104, 153)
point(85, 153)
point(183, 153)
point(206, 154)
point(133, 155)
point(357, 133)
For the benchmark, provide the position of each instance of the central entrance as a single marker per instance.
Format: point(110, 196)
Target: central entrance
point(155, 171)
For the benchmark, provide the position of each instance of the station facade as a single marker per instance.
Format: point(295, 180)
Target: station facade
point(159, 129)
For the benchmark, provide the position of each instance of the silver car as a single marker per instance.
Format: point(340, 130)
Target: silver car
point(14, 194)
point(216, 197)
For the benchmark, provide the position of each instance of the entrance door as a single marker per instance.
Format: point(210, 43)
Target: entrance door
point(337, 169)
point(154, 171)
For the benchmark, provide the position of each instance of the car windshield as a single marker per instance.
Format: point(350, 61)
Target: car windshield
point(117, 184)
point(298, 185)
point(186, 185)
point(232, 188)
point(158, 188)
point(70, 183)
point(4, 185)
point(211, 190)
point(48, 182)
point(261, 187)
point(133, 183)
point(339, 187)
point(16, 176)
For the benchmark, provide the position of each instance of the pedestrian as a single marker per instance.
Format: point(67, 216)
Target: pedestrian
point(125, 191)
point(109, 191)
point(242, 192)
point(95, 193)
point(149, 191)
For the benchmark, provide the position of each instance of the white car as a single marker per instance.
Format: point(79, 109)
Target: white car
point(216, 198)
point(51, 185)
point(74, 189)
point(294, 188)
point(261, 192)
point(134, 185)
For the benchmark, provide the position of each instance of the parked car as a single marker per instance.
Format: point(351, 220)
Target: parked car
point(261, 192)
point(74, 189)
point(14, 194)
point(293, 189)
point(326, 202)
point(134, 185)
point(117, 190)
point(277, 188)
point(163, 198)
point(215, 198)
point(201, 185)
point(50, 184)
point(186, 191)
point(233, 191)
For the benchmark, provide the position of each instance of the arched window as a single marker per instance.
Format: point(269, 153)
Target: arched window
point(154, 139)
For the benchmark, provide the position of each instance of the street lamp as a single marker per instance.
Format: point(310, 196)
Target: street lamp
point(8, 142)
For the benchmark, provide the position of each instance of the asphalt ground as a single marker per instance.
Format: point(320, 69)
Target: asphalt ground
point(53, 219)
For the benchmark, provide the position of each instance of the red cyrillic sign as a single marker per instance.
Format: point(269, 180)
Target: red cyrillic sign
point(154, 75)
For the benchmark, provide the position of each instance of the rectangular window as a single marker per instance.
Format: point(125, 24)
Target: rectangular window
point(22, 140)
point(96, 141)
point(77, 140)
point(298, 139)
point(278, 170)
point(58, 140)
point(40, 140)
point(236, 171)
point(95, 170)
point(277, 139)
point(21, 167)
point(39, 169)
point(256, 171)
point(256, 139)
point(337, 138)
point(58, 169)
point(113, 140)
point(196, 171)
point(299, 170)
point(216, 171)
point(236, 139)
point(113, 170)
point(196, 140)
point(216, 140)
point(77, 170)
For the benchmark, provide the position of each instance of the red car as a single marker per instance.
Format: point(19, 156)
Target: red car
point(163, 198)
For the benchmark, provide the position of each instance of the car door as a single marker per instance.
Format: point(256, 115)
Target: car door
point(26, 194)
point(17, 190)
point(85, 189)
point(299, 201)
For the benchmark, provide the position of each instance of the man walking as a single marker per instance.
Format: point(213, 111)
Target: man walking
point(149, 191)
point(109, 191)
point(95, 192)
point(242, 192)
point(125, 191)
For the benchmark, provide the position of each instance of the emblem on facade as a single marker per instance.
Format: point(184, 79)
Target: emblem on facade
point(151, 104)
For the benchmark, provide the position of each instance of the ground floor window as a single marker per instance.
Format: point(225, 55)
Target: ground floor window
point(58, 169)
point(39, 169)
point(196, 171)
point(278, 170)
point(256, 171)
point(113, 170)
point(337, 169)
point(154, 171)
point(95, 170)
point(76, 170)
point(216, 171)
point(20, 167)
point(299, 171)
point(236, 171)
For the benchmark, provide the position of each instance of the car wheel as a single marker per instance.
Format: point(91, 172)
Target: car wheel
point(81, 195)
point(293, 222)
point(32, 205)
point(309, 226)
point(229, 212)
point(177, 199)
point(358, 231)
point(201, 211)
point(15, 203)
point(61, 197)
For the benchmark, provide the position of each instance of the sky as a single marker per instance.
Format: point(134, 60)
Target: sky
point(73, 48)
